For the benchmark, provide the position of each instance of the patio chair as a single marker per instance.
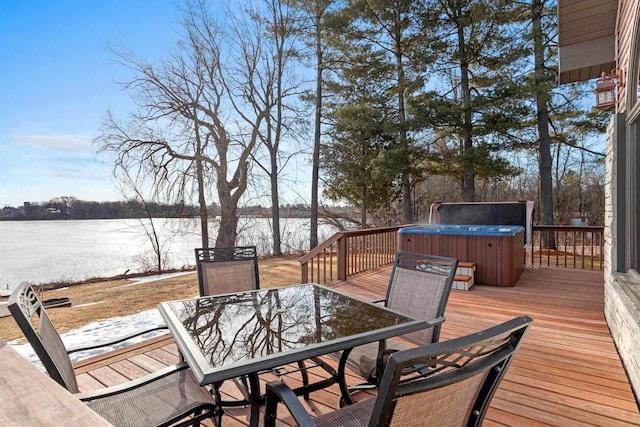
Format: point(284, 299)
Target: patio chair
point(419, 286)
point(227, 270)
point(443, 384)
point(235, 269)
point(170, 396)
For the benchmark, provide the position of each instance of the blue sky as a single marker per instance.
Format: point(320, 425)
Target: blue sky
point(57, 81)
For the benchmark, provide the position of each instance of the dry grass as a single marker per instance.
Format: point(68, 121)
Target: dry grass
point(101, 300)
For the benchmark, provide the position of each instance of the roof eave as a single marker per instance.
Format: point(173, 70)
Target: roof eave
point(586, 39)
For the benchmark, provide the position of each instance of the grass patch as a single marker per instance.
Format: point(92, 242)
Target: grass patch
point(102, 299)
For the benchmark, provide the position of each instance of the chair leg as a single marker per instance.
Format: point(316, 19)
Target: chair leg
point(215, 391)
point(345, 396)
point(305, 377)
point(196, 415)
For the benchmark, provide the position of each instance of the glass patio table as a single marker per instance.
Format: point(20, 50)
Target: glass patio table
point(225, 336)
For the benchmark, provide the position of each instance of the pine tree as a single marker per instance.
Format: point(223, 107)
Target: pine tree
point(356, 157)
point(389, 30)
point(475, 110)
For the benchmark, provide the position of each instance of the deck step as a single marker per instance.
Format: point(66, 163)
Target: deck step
point(462, 282)
point(465, 275)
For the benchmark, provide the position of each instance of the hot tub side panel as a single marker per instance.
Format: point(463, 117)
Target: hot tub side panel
point(499, 259)
point(483, 250)
point(435, 244)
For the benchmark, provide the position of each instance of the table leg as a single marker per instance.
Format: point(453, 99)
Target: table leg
point(254, 385)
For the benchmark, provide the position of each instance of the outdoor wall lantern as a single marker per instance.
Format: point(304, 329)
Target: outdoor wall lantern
point(606, 89)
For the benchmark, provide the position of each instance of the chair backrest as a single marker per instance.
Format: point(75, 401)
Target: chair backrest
point(226, 270)
point(420, 286)
point(29, 314)
point(449, 383)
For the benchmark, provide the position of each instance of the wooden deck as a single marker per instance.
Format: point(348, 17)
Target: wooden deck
point(567, 372)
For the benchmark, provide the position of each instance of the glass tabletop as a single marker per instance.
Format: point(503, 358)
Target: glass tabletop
point(232, 329)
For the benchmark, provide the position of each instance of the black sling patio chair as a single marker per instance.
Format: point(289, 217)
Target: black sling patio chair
point(227, 270)
point(419, 286)
point(233, 270)
point(443, 384)
point(170, 396)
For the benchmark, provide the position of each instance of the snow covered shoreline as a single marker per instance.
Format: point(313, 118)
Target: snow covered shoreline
point(107, 329)
point(101, 330)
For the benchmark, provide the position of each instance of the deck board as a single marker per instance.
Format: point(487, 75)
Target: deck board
point(567, 373)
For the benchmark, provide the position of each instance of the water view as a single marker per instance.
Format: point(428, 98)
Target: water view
point(46, 251)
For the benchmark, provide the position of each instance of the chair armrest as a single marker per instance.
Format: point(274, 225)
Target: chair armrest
point(277, 391)
point(117, 340)
point(383, 355)
point(130, 385)
point(436, 321)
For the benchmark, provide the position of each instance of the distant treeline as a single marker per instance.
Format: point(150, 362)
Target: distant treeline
point(70, 208)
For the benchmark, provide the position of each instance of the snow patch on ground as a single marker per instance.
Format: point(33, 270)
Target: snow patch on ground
point(107, 329)
point(146, 279)
point(101, 330)
point(88, 304)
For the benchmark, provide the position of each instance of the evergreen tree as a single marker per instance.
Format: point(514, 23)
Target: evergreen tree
point(390, 31)
point(356, 159)
point(476, 111)
point(542, 89)
point(559, 115)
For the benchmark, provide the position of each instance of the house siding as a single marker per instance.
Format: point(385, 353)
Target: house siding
point(627, 11)
point(622, 310)
point(609, 203)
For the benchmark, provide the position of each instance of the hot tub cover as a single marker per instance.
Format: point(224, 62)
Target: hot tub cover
point(463, 230)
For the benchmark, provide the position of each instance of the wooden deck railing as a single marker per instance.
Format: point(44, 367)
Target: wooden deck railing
point(349, 252)
point(567, 246)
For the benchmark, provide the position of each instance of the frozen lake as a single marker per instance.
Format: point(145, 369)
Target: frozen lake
point(46, 251)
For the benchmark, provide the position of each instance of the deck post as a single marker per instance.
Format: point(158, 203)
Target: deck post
point(342, 258)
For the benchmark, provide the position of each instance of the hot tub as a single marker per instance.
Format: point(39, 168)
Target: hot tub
point(497, 250)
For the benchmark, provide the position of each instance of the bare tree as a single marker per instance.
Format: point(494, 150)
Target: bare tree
point(129, 185)
point(268, 41)
point(186, 132)
point(315, 27)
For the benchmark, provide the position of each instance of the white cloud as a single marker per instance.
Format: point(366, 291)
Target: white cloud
point(71, 144)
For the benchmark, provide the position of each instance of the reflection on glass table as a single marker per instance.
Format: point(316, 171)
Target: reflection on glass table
point(225, 336)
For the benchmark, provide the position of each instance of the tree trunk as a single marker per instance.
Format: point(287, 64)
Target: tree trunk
point(229, 194)
point(363, 210)
point(202, 200)
point(469, 168)
point(157, 248)
point(228, 230)
point(275, 208)
point(280, 36)
point(544, 139)
point(315, 172)
point(202, 203)
point(407, 205)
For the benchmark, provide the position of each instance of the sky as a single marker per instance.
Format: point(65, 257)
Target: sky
point(57, 81)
